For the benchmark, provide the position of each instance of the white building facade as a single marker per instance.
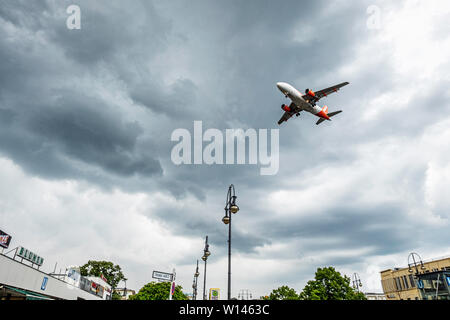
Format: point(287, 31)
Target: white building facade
point(21, 281)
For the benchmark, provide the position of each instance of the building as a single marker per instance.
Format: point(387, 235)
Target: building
point(435, 285)
point(20, 281)
point(403, 283)
point(375, 296)
point(124, 293)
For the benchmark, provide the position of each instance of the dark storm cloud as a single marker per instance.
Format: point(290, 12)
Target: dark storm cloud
point(110, 31)
point(193, 221)
point(77, 126)
point(243, 41)
point(47, 125)
point(381, 228)
point(251, 45)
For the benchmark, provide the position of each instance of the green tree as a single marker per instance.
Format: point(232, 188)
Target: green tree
point(112, 273)
point(329, 284)
point(283, 293)
point(158, 291)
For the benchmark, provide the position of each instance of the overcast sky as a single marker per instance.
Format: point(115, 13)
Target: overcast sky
point(87, 115)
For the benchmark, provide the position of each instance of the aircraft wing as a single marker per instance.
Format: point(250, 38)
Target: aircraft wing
point(286, 116)
point(325, 92)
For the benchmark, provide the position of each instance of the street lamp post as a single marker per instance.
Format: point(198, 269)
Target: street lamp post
point(125, 289)
point(356, 282)
point(194, 285)
point(415, 263)
point(206, 254)
point(230, 207)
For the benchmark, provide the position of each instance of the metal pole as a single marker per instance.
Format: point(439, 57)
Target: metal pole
point(206, 253)
point(437, 286)
point(193, 289)
point(172, 283)
point(196, 274)
point(229, 258)
point(196, 287)
point(204, 281)
point(230, 208)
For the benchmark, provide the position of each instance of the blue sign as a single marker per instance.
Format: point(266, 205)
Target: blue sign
point(420, 284)
point(448, 280)
point(44, 283)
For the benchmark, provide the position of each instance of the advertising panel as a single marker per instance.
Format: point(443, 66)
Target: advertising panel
point(5, 239)
point(73, 276)
point(214, 294)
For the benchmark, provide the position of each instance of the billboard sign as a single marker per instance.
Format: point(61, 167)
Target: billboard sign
point(73, 277)
point(5, 239)
point(162, 276)
point(29, 256)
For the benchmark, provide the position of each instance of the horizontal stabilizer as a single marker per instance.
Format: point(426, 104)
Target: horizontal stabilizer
point(334, 113)
point(329, 115)
point(320, 120)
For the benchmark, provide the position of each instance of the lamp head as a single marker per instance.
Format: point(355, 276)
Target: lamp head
point(234, 208)
point(226, 220)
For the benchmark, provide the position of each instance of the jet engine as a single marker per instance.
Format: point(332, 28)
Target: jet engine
point(285, 108)
point(310, 93)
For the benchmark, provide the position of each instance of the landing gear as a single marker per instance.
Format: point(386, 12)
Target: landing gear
point(297, 114)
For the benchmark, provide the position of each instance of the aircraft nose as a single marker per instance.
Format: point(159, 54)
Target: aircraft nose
point(282, 86)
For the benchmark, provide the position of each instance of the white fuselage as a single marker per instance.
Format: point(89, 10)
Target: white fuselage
point(297, 98)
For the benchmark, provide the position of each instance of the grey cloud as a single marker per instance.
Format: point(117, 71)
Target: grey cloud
point(76, 125)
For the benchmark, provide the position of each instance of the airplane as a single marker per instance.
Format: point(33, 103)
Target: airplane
point(306, 102)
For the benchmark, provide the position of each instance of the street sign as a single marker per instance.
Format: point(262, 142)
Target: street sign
point(162, 276)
